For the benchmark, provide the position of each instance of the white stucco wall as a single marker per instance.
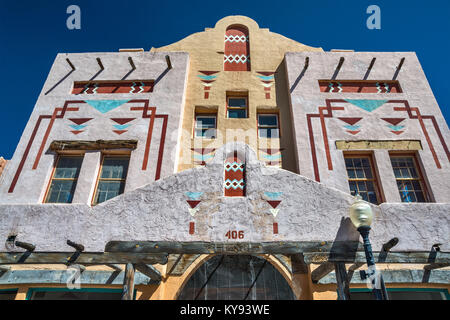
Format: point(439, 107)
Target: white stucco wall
point(309, 211)
point(306, 98)
point(168, 97)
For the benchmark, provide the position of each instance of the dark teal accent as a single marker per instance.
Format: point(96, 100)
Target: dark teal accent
point(445, 291)
point(32, 290)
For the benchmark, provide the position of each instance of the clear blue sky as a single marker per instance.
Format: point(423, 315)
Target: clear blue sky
point(33, 32)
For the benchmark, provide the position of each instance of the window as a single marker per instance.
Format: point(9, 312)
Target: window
point(111, 181)
point(74, 294)
point(402, 294)
point(64, 179)
point(268, 126)
point(8, 294)
point(237, 107)
point(205, 126)
point(409, 179)
point(361, 178)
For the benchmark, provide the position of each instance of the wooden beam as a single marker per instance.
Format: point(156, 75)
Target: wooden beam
point(128, 282)
point(199, 247)
point(321, 271)
point(85, 258)
point(150, 271)
point(342, 281)
point(60, 145)
point(390, 257)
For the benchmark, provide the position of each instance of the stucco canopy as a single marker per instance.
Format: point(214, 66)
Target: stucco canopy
point(159, 211)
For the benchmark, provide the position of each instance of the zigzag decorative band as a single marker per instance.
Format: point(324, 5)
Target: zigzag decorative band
point(236, 58)
point(235, 184)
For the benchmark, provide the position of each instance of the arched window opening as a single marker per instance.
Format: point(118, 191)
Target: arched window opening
point(237, 49)
point(237, 277)
point(234, 177)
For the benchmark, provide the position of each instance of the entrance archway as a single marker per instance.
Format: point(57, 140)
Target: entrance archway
point(237, 277)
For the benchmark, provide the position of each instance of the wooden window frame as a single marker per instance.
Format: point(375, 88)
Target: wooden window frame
point(109, 155)
point(205, 115)
point(268, 127)
point(418, 167)
point(238, 96)
point(55, 164)
point(375, 180)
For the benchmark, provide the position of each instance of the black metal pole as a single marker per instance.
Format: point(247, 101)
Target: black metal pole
point(380, 293)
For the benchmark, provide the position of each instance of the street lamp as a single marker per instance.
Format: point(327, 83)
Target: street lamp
point(361, 216)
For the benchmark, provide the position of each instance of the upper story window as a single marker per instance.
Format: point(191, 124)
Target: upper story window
point(268, 126)
point(205, 126)
point(64, 179)
point(237, 49)
point(361, 177)
point(112, 177)
point(410, 183)
point(237, 107)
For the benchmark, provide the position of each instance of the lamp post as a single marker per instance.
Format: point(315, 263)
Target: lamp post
point(361, 216)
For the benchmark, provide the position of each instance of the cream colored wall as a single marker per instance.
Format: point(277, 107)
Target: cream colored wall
point(206, 51)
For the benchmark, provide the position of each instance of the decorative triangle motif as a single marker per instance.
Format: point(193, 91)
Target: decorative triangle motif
point(354, 132)
point(80, 121)
point(105, 106)
point(119, 132)
point(393, 121)
point(274, 212)
point(193, 203)
point(77, 131)
point(274, 203)
point(194, 195)
point(367, 105)
point(350, 121)
point(122, 121)
point(397, 132)
point(192, 211)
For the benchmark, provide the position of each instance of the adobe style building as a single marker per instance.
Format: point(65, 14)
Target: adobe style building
point(223, 166)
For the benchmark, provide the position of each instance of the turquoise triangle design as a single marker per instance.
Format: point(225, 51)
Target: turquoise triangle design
point(368, 105)
point(105, 106)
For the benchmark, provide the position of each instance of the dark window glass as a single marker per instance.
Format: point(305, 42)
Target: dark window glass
point(237, 107)
point(268, 126)
point(112, 178)
point(64, 180)
point(409, 182)
point(235, 277)
point(8, 294)
point(205, 126)
point(361, 178)
point(74, 295)
point(402, 295)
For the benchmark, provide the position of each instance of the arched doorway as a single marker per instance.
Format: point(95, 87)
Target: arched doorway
point(237, 277)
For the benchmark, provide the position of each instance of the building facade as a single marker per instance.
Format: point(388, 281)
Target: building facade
point(223, 166)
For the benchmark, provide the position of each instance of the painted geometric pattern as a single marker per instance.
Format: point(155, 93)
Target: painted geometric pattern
point(202, 155)
point(351, 125)
point(359, 86)
point(105, 87)
point(272, 156)
point(237, 50)
point(79, 125)
point(121, 125)
point(393, 124)
point(267, 81)
point(367, 105)
point(234, 182)
point(274, 202)
point(234, 166)
point(207, 78)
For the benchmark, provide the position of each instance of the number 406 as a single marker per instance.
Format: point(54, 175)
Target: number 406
point(233, 234)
